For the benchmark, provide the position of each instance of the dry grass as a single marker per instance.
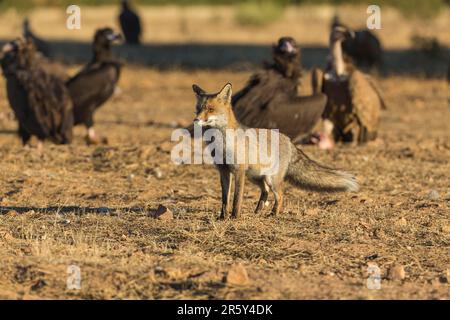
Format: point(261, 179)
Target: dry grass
point(89, 205)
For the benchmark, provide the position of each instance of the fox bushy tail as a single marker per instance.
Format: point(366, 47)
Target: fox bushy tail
point(308, 174)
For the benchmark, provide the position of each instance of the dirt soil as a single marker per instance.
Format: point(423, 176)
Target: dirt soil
point(91, 206)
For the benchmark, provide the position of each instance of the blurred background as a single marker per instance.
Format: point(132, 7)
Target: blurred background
point(228, 33)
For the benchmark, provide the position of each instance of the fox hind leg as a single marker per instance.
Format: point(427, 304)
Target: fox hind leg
point(277, 189)
point(264, 195)
point(239, 179)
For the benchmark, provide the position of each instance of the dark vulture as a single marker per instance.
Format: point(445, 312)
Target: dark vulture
point(43, 53)
point(96, 82)
point(130, 24)
point(40, 101)
point(41, 45)
point(354, 100)
point(364, 48)
point(270, 99)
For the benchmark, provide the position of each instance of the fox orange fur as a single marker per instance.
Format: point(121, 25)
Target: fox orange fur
point(215, 111)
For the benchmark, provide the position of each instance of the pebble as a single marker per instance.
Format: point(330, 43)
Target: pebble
point(237, 275)
point(433, 195)
point(162, 213)
point(402, 222)
point(158, 173)
point(396, 272)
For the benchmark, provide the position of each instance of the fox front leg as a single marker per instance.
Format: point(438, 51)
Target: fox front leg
point(225, 183)
point(239, 178)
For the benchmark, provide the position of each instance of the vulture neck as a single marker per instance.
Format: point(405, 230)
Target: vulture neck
point(337, 59)
point(288, 66)
point(102, 53)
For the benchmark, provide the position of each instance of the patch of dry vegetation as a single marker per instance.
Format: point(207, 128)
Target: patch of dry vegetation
point(90, 206)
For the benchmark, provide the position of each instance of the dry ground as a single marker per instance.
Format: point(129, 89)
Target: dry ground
point(89, 206)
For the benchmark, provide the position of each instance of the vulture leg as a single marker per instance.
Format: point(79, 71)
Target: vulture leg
point(25, 135)
point(40, 147)
point(92, 137)
point(263, 198)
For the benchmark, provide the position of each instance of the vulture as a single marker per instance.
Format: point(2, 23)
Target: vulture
point(41, 45)
point(354, 100)
point(364, 48)
point(40, 101)
point(95, 83)
point(270, 99)
point(42, 53)
point(130, 24)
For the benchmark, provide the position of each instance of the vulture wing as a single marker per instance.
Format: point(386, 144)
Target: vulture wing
point(365, 101)
point(92, 87)
point(262, 91)
point(377, 89)
point(294, 117)
point(49, 112)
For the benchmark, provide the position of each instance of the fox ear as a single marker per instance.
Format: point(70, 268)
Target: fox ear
point(198, 91)
point(225, 93)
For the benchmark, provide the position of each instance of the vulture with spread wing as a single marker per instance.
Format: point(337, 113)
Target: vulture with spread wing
point(96, 82)
point(364, 48)
point(40, 101)
point(354, 100)
point(270, 99)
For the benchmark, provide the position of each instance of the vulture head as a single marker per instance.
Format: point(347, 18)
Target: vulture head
point(341, 33)
point(286, 54)
point(125, 5)
point(103, 39)
point(17, 54)
point(286, 47)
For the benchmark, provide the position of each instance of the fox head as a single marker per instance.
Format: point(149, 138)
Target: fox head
point(214, 110)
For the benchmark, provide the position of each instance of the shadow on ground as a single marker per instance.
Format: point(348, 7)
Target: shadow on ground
point(241, 56)
point(71, 209)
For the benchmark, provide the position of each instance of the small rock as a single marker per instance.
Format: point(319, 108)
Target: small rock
point(402, 222)
point(433, 195)
point(379, 234)
point(157, 173)
point(163, 213)
point(447, 275)
point(237, 275)
point(302, 269)
point(12, 213)
point(65, 222)
point(396, 272)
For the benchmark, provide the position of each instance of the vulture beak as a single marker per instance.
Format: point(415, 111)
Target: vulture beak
point(287, 47)
point(114, 36)
point(348, 33)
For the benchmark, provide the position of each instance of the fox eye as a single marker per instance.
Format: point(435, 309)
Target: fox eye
point(209, 108)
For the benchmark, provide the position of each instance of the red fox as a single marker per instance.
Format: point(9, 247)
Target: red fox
point(215, 111)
